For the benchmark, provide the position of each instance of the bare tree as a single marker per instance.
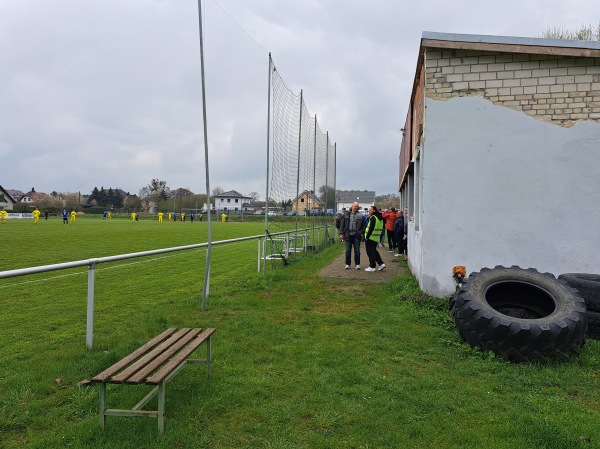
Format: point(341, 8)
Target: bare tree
point(254, 195)
point(217, 191)
point(584, 33)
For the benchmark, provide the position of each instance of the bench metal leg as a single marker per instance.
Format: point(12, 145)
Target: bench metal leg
point(161, 408)
point(208, 356)
point(102, 405)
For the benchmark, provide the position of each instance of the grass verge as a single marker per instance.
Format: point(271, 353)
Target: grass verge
point(299, 362)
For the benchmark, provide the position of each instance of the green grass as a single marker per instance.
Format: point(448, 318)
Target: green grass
point(299, 362)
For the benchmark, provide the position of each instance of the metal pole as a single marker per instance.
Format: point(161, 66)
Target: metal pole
point(327, 180)
point(315, 182)
point(298, 170)
point(271, 70)
point(89, 334)
point(206, 286)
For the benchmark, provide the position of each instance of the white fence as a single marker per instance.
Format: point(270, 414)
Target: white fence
point(265, 252)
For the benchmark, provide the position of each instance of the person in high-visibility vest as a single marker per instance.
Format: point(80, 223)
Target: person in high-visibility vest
point(372, 236)
point(36, 216)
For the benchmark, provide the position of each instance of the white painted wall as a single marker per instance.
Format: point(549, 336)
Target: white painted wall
point(501, 188)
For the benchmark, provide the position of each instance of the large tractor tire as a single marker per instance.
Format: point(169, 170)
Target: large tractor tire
point(588, 286)
point(520, 314)
point(593, 319)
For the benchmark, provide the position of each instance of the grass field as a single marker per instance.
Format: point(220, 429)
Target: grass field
point(299, 362)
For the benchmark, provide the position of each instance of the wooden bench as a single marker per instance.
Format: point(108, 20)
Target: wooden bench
point(155, 363)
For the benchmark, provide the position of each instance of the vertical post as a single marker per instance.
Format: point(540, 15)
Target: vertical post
point(102, 404)
point(271, 69)
point(259, 254)
point(89, 334)
point(327, 181)
point(161, 408)
point(208, 357)
point(315, 182)
point(298, 169)
point(206, 286)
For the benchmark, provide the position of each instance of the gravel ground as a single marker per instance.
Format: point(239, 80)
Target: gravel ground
point(336, 271)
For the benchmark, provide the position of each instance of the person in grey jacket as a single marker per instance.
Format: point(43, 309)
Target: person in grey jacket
point(352, 229)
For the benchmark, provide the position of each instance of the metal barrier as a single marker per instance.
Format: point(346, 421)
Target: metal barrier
point(91, 264)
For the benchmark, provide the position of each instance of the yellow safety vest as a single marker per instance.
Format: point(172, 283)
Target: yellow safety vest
point(377, 230)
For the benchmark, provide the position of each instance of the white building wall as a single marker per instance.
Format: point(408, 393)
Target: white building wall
point(501, 188)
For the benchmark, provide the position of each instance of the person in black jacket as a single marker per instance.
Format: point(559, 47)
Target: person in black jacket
point(399, 234)
point(352, 228)
point(373, 233)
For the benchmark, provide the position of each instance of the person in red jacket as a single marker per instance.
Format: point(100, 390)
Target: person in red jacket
point(390, 218)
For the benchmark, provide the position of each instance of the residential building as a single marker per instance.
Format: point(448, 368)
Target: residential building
point(499, 162)
point(345, 198)
point(232, 202)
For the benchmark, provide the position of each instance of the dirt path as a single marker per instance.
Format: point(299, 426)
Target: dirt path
point(336, 271)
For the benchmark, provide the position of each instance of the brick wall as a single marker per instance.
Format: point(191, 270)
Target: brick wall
point(557, 89)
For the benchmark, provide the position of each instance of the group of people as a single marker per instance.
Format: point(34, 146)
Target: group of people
point(354, 228)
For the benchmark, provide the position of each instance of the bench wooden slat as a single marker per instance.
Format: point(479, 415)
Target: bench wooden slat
point(180, 358)
point(107, 373)
point(153, 357)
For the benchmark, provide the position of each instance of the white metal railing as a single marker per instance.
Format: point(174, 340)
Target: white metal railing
point(91, 264)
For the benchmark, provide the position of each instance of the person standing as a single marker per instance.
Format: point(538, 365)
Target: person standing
point(133, 216)
point(406, 219)
point(223, 217)
point(372, 237)
point(65, 216)
point(104, 215)
point(192, 217)
point(338, 223)
point(160, 217)
point(109, 215)
point(46, 214)
point(73, 215)
point(399, 234)
point(352, 227)
point(36, 216)
point(3, 215)
point(390, 217)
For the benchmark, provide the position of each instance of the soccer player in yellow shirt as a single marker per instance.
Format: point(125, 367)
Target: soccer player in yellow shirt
point(160, 217)
point(36, 216)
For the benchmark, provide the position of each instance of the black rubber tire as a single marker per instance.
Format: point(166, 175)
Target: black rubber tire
point(588, 286)
point(593, 319)
point(520, 314)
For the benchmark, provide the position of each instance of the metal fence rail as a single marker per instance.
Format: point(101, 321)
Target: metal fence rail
point(289, 236)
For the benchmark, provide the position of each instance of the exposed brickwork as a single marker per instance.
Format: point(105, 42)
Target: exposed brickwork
point(557, 89)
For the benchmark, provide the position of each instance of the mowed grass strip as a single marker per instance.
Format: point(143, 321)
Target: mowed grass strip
point(299, 362)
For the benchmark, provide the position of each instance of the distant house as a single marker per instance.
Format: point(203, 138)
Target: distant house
point(16, 194)
point(499, 162)
point(345, 198)
point(232, 202)
point(307, 202)
point(33, 197)
point(7, 202)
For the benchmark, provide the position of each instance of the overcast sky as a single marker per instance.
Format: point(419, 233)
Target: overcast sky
point(108, 92)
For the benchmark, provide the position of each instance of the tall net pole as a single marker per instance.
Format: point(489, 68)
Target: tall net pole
point(271, 68)
point(205, 288)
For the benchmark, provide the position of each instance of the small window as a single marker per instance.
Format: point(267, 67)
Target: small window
point(236, 200)
point(229, 200)
point(302, 200)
